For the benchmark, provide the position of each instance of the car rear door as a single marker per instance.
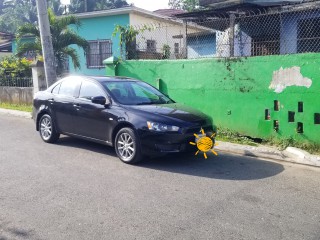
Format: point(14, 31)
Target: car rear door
point(91, 119)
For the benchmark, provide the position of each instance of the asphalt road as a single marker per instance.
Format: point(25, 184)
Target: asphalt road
point(80, 190)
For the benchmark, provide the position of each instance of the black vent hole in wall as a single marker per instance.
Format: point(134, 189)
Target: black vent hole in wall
point(291, 116)
point(300, 106)
point(276, 104)
point(300, 127)
point(317, 118)
point(276, 125)
point(267, 114)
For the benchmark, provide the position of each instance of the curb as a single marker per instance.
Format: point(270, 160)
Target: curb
point(251, 151)
point(302, 156)
point(15, 113)
point(290, 154)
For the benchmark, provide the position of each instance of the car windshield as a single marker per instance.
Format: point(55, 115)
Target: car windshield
point(135, 93)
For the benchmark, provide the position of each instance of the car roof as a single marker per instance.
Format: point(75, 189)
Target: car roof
point(96, 78)
point(110, 78)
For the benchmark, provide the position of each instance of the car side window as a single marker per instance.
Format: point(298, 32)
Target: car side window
point(89, 90)
point(55, 90)
point(67, 88)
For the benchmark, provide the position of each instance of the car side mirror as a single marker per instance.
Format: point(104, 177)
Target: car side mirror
point(99, 100)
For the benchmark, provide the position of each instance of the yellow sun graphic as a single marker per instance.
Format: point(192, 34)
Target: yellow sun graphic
point(204, 143)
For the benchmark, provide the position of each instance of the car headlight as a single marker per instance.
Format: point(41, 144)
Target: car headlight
point(159, 127)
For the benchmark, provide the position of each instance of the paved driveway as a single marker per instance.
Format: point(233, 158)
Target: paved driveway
point(80, 190)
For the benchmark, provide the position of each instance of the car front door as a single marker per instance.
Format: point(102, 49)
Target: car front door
point(63, 104)
point(92, 119)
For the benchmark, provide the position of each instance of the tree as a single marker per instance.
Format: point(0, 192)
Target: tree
point(62, 38)
point(188, 5)
point(109, 4)
point(77, 6)
point(17, 12)
point(56, 6)
point(14, 13)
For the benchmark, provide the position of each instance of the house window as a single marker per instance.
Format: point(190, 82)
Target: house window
point(98, 51)
point(309, 35)
point(176, 48)
point(151, 46)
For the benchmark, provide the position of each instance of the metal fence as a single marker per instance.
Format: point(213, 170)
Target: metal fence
point(276, 31)
point(16, 82)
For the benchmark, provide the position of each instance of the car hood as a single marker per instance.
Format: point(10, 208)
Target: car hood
point(176, 111)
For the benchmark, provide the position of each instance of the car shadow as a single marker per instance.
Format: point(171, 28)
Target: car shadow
point(224, 166)
point(83, 144)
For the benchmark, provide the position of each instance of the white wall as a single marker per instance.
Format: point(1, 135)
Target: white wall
point(162, 32)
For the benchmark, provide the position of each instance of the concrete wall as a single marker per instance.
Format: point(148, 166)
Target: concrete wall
point(240, 93)
point(16, 95)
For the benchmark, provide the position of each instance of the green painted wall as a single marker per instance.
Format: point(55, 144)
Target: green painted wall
point(236, 92)
point(98, 28)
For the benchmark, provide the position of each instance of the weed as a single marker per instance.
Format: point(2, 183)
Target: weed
point(225, 134)
point(283, 143)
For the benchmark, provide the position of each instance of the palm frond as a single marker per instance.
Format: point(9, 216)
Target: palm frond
point(69, 37)
point(51, 16)
point(65, 21)
point(71, 52)
point(28, 29)
point(28, 46)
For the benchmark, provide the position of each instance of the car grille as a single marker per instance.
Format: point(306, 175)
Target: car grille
point(198, 129)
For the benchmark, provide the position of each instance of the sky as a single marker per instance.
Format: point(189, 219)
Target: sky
point(150, 5)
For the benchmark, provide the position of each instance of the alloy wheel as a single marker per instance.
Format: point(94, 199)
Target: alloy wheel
point(125, 146)
point(46, 128)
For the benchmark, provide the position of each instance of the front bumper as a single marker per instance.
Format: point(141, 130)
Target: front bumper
point(159, 142)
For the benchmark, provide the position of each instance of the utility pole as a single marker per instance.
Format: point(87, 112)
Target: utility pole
point(46, 42)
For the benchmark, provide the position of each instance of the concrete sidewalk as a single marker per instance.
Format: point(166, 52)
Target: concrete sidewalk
point(290, 154)
point(15, 113)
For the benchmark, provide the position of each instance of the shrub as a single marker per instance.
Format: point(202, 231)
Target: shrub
point(15, 67)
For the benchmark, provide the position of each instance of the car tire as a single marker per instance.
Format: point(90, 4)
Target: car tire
point(47, 129)
point(127, 146)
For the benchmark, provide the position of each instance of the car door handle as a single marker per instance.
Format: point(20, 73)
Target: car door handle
point(51, 100)
point(77, 105)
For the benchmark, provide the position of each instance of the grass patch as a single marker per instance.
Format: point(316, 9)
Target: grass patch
point(228, 135)
point(20, 107)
